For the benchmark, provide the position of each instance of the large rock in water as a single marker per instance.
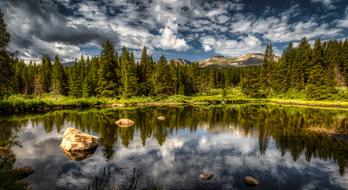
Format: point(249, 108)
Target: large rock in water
point(124, 122)
point(79, 155)
point(22, 172)
point(206, 175)
point(248, 180)
point(75, 140)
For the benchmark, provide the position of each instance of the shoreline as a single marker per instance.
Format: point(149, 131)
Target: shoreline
point(20, 104)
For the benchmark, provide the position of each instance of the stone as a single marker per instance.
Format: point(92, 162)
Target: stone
point(79, 155)
point(76, 140)
point(248, 180)
point(22, 172)
point(161, 118)
point(4, 151)
point(206, 175)
point(124, 122)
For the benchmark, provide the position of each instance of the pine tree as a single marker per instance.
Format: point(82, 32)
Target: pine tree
point(58, 78)
point(251, 83)
point(32, 72)
point(302, 58)
point(161, 78)
point(128, 74)
point(141, 72)
point(86, 91)
point(6, 70)
point(107, 76)
point(45, 72)
point(38, 85)
point(282, 71)
point(267, 69)
point(344, 56)
point(174, 76)
point(18, 79)
point(318, 86)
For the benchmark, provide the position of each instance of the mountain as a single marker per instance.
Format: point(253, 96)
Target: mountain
point(182, 61)
point(250, 59)
point(68, 64)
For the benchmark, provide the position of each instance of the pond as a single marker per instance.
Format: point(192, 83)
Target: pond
point(270, 143)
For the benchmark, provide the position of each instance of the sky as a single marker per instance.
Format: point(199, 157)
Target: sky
point(189, 29)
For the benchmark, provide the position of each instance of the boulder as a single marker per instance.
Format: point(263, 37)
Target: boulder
point(75, 140)
point(4, 151)
point(22, 172)
point(248, 180)
point(206, 175)
point(161, 118)
point(124, 122)
point(79, 155)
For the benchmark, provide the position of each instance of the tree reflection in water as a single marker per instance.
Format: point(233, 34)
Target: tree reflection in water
point(283, 124)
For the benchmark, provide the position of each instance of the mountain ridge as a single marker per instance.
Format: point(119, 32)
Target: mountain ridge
point(246, 60)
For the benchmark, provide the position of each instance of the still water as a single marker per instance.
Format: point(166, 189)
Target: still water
point(268, 142)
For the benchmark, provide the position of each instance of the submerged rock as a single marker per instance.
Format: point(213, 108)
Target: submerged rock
point(161, 118)
point(4, 151)
point(248, 180)
point(75, 140)
point(22, 172)
point(124, 122)
point(206, 175)
point(79, 155)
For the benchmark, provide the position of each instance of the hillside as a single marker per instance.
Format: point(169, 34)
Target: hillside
point(250, 59)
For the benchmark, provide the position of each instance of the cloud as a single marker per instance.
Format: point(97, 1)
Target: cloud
point(169, 40)
point(344, 21)
point(327, 3)
point(232, 47)
point(281, 28)
point(46, 27)
point(39, 29)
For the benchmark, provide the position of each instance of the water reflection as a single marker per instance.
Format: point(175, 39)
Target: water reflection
point(268, 142)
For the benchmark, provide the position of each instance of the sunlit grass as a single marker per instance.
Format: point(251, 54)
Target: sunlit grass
point(19, 103)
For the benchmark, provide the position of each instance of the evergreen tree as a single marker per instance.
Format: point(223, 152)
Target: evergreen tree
point(107, 76)
point(32, 72)
point(281, 77)
point(18, 77)
point(267, 69)
point(128, 74)
point(344, 56)
point(318, 86)
point(6, 71)
point(302, 58)
point(45, 72)
point(141, 72)
point(58, 78)
point(161, 78)
point(251, 83)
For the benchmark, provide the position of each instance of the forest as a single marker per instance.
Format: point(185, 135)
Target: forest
point(304, 71)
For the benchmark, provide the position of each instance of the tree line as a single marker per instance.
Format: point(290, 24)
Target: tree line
point(317, 72)
point(117, 75)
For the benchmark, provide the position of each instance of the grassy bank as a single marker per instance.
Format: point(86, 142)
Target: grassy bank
point(19, 103)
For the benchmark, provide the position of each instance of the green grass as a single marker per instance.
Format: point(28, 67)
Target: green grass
point(20, 103)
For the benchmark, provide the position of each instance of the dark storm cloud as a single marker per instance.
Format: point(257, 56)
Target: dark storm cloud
point(33, 23)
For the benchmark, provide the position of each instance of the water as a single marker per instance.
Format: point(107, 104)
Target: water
point(270, 143)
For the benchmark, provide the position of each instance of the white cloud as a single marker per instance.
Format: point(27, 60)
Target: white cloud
point(280, 29)
point(232, 47)
point(169, 40)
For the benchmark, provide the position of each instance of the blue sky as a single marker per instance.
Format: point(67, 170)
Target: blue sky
point(190, 29)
